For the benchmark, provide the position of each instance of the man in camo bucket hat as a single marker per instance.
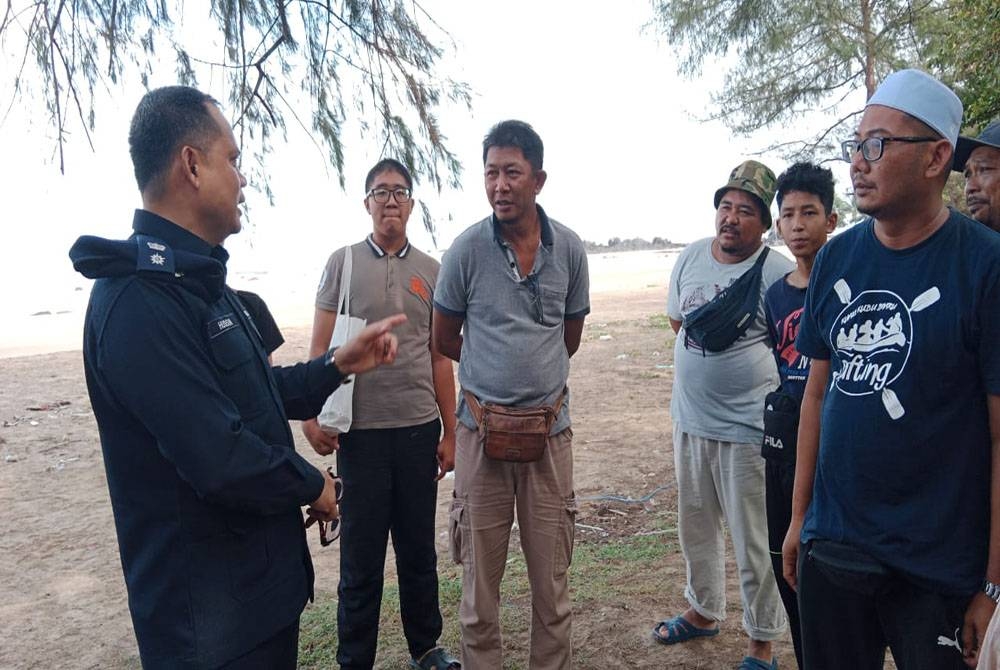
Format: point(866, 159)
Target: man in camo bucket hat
point(756, 179)
point(717, 414)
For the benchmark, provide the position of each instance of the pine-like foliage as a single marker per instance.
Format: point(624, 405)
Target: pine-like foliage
point(791, 57)
point(312, 63)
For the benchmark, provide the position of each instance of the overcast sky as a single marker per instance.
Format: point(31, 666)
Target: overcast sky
point(624, 150)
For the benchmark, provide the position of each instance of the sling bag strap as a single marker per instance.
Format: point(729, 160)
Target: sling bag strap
point(756, 267)
point(726, 317)
point(344, 299)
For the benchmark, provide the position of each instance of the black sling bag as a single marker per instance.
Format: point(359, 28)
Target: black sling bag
point(726, 317)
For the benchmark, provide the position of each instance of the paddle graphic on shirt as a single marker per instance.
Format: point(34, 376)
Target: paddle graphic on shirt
point(872, 337)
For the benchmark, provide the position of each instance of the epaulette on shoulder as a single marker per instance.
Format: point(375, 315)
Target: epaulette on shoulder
point(154, 255)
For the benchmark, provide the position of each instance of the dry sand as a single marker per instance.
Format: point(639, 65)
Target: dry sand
point(63, 599)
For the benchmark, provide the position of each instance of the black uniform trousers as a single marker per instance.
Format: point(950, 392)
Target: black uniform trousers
point(389, 489)
point(280, 652)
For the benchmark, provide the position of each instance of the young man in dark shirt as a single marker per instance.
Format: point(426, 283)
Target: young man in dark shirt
point(806, 218)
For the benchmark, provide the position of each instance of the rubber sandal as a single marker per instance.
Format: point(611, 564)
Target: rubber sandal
point(436, 659)
point(751, 663)
point(680, 630)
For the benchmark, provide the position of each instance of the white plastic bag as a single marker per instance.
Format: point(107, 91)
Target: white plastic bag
point(338, 410)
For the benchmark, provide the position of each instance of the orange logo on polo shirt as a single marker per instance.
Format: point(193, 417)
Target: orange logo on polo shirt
point(419, 288)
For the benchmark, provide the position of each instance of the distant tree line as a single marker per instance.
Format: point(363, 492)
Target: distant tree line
point(634, 244)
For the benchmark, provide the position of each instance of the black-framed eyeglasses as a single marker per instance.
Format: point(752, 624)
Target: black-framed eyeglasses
point(871, 148)
point(381, 195)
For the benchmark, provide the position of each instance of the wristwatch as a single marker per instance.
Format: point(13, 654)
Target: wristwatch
point(992, 590)
point(332, 360)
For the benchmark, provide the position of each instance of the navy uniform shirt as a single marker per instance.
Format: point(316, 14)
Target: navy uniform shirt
point(205, 484)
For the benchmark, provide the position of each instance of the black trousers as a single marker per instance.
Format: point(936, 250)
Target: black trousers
point(779, 477)
point(850, 616)
point(389, 489)
point(280, 652)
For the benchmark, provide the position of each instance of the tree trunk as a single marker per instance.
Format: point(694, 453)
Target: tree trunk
point(869, 37)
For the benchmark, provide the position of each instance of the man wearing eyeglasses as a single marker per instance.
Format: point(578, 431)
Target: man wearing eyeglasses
point(205, 483)
point(395, 451)
point(979, 160)
point(510, 305)
point(895, 532)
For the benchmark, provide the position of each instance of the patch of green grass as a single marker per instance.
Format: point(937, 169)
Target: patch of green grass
point(634, 549)
point(605, 571)
point(601, 572)
point(658, 320)
point(318, 633)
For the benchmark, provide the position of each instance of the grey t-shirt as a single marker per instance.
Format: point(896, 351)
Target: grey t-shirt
point(513, 352)
point(720, 396)
point(382, 284)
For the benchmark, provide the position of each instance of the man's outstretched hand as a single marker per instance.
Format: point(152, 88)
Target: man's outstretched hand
point(372, 347)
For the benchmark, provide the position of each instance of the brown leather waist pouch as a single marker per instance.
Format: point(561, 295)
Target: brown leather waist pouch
point(514, 434)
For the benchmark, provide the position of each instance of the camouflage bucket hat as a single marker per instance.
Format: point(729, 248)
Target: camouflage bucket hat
point(757, 180)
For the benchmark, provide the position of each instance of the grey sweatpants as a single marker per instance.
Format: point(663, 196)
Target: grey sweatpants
point(724, 481)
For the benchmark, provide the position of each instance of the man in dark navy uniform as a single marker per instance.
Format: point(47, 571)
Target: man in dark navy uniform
point(205, 483)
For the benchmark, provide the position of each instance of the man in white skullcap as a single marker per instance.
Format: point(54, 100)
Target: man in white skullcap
point(894, 539)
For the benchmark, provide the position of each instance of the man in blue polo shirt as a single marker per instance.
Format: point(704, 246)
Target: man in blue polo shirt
point(897, 462)
point(517, 281)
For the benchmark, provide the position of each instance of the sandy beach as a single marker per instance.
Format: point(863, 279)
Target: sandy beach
point(63, 598)
point(54, 321)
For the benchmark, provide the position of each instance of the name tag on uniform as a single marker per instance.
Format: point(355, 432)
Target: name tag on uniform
point(221, 324)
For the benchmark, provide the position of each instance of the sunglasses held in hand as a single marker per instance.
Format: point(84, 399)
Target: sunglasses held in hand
point(329, 531)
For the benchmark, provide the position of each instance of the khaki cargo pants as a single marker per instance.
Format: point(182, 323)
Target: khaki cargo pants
point(487, 493)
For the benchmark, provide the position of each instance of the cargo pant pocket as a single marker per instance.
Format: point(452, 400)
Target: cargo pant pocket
point(458, 530)
point(567, 536)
